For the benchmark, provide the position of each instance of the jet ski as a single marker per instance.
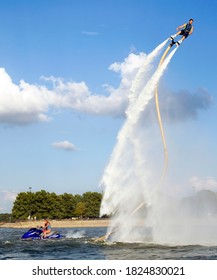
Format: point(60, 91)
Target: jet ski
point(37, 233)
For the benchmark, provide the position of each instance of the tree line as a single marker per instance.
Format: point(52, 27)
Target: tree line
point(43, 204)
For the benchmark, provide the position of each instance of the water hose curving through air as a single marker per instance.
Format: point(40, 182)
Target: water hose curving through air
point(160, 120)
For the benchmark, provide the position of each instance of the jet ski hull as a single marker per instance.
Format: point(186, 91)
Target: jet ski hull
point(37, 234)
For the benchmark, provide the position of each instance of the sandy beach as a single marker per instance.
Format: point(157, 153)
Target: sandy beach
point(59, 224)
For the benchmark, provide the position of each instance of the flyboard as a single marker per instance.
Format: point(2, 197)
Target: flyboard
point(105, 237)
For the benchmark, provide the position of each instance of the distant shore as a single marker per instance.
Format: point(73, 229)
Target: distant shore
point(59, 224)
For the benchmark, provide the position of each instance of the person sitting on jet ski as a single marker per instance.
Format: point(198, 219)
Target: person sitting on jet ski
point(46, 227)
point(187, 29)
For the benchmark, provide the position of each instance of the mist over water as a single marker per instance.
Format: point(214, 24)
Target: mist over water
point(142, 209)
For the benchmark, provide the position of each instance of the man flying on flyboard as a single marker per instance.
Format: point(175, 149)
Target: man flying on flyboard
point(187, 29)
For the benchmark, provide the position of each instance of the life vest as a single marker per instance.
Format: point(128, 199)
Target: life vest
point(188, 27)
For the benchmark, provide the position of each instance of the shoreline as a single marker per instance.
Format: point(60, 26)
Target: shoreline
point(58, 224)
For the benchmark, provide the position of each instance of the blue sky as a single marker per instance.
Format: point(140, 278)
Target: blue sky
point(62, 102)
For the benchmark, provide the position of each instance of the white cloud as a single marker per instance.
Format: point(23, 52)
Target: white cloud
point(24, 103)
point(208, 183)
point(64, 145)
point(128, 68)
point(6, 200)
point(90, 33)
point(184, 105)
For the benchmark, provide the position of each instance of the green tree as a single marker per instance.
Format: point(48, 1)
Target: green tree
point(22, 206)
point(92, 202)
point(56, 206)
point(80, 209)
point(5, 217)
point(43, 204)
point(69, 203)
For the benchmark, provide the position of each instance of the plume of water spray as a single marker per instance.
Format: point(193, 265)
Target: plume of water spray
point(148, 91)
point(115, 173)
point(141, 211)
point(142, 74)
point(126, 176)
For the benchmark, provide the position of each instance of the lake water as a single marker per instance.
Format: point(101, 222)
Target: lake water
point(79, 244)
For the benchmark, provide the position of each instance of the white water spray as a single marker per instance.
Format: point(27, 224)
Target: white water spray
point(141, 209)
point(126, 176)
point(142, 74)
